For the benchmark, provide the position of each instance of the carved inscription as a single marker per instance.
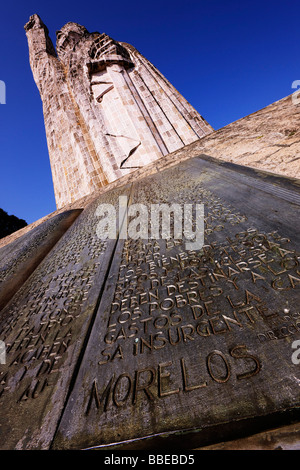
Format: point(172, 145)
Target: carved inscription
point(40, 345)
point(164, 301)
point(165, 339)
point(185, 339)
point(153, 383)
point(20, 258)
point(44, 327)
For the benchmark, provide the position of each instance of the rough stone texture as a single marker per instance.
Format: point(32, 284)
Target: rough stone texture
point(58, 302)
point(137, 344)
point(107, 109)
point(20, 258)
point(228, 374)
point(267, 140)
point(150, 344)
point(154, 369)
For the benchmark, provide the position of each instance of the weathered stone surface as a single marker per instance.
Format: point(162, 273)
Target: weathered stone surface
point(267, 139)
point(19, 259)
point(276, 125)
point(45, 327)
point(195, 345)
point(113, 341)
point(146, 343)
point(107, 110)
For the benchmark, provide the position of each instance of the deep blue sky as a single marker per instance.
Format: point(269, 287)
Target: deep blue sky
point(228, 58)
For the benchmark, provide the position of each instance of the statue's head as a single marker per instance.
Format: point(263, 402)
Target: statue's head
point(68, 36)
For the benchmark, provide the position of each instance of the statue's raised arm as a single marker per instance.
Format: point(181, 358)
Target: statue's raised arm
point(42, 55)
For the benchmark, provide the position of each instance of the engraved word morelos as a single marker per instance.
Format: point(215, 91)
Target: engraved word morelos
point(159, 305)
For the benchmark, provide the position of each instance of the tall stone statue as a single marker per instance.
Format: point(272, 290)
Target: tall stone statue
point(107, 109)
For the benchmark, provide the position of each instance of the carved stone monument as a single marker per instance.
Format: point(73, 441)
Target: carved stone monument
point(144, 342)
point(107, 109)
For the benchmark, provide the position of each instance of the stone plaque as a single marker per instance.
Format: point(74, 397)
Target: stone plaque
point(45, 327)
point(195, 345)
point(20, 258)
